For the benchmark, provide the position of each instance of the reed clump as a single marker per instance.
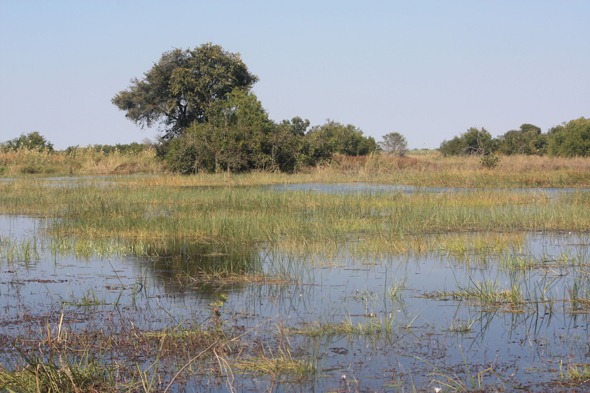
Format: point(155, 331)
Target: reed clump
point(64, 374)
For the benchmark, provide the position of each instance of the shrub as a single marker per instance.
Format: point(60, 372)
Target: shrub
point(30, 141)
point(473, 141)
point(573, 140)
point(489, 161)
point(395, 144)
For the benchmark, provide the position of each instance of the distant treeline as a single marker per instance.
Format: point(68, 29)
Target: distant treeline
point(570, 139)
point(128, 148)
point(36, 142)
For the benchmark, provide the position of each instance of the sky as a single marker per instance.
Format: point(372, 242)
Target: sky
point(429, 70)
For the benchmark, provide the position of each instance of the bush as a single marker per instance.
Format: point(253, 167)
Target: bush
point(572, 140)
point(528, 140)
point(489, 161)
point(473, 141)
point(30, 141)
point(321, 143)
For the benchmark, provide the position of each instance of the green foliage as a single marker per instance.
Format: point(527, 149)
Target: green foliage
point(473, 141)
point(528, 140)
point(234, 139)
point(571, 140)
point(322, 142)
point(181, 87)
point(239, 136)
point(30, 141)
point(489, 161)
point(297, 125)
point(394, 143)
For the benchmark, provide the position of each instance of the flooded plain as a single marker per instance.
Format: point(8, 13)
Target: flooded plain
point(489, 311)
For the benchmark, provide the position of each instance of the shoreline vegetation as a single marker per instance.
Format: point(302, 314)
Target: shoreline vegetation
point(426, 168)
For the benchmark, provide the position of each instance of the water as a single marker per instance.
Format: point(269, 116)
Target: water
point(525, 344)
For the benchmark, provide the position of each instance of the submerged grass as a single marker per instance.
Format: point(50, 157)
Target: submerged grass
point(373, 326)
point(122, 357)
point(14, 250)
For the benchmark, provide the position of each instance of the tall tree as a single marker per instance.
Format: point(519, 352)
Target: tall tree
point(180, 88)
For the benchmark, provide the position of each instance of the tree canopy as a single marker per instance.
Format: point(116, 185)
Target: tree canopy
point(181, 87)
point(473, 141)
point(572, 140)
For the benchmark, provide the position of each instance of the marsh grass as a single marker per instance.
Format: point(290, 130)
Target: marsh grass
point(518, 296)
point(126, 358)
point(89, 299)
point(578, 373)
point(434, 170)
point(23, 250)
point(579, 296)
point(374, 325)
point(193, 233)
point(381, 223)
point(276, 364)
point(458, 326)
point(64, 374)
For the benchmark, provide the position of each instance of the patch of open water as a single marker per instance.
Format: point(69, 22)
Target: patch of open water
point(525, 344)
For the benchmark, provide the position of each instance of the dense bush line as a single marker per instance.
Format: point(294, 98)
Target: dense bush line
point(570, 139)
point(239, 136)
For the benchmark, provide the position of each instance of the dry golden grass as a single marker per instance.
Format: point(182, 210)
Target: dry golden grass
point(426, 169)
point(84, 161)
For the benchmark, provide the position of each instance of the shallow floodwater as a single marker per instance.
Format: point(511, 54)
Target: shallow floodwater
point(427, 328)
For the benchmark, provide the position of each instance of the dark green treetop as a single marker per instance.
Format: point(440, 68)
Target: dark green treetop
point(473, 141)
point(573, 140)
point(179, 89)
point(30, 141)
point(527, 140)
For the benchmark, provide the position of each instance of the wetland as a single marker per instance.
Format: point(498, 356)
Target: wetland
point(170, 284)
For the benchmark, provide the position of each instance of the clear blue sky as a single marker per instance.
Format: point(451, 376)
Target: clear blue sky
point(426, 69)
